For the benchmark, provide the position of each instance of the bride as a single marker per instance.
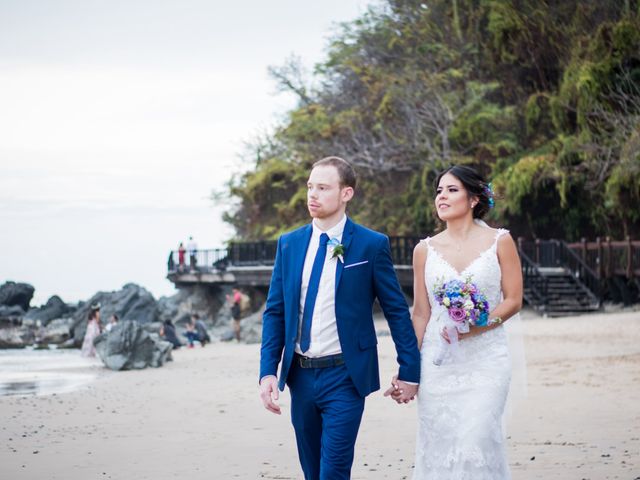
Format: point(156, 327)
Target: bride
point(461, 400)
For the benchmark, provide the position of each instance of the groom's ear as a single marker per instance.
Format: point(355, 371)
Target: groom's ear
point(346, 193)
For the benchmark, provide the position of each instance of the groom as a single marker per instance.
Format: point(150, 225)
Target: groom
point(318, 322)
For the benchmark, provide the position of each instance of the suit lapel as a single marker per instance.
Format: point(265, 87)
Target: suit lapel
point(347, 235)
point(299, 252)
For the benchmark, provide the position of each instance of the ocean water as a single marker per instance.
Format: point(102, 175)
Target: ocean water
point(43, 372)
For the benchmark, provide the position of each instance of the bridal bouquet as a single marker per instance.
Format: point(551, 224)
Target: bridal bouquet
point(465, 306)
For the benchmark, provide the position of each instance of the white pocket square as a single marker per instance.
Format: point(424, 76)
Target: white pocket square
point(356, 264)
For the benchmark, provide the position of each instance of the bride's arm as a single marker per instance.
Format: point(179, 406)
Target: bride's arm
point(511, 279)
point(421, 308)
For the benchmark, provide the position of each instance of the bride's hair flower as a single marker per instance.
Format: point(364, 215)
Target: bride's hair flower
point(488, 190)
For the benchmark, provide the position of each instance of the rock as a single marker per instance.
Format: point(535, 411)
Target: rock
point(128, 346)
point(11, 315)
point(131, 303)
point(20, 294)
point(226, 334)
point(54, 308)
point(153, 327)
point(68, 344)
point(204, 300)
point(251, 327)
point(56, 332)
point(16, 337)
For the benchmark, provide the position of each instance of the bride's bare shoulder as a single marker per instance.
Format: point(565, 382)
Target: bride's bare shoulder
point(438, 239)
point(421, 249)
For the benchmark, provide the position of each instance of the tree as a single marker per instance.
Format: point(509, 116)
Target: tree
point(540, 96)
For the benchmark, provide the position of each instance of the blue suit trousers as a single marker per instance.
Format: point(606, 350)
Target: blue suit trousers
point(326, 410)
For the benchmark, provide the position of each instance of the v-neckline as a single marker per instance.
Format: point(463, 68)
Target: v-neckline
point(461, 272)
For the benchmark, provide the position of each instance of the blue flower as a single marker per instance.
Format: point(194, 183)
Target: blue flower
point(484, 318)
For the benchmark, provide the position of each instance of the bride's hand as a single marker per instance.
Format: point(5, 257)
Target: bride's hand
point(393, 391)
point(473, 331)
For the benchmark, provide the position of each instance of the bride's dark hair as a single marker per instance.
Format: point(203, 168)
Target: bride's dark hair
point(475, 185)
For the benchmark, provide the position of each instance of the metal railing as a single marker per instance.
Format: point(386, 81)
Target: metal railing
point(245, 254)
point(200, 260)
point(537, 285)
point(263, 253)
point(580, 270)
point(589, 262)
point(608, 258)
point(402, 249)
point(559, 254)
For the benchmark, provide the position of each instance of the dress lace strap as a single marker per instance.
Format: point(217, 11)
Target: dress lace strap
point(499, 233)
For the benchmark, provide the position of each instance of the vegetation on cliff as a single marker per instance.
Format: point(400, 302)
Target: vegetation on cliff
point(542, 96)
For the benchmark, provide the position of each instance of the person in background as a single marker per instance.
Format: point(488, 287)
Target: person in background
point(181, 252)
point(113, 320)
point(192, 246)
point(168, 333)
point(201, 329)
point(191, 333)
point(236, 310)
point(93, 330)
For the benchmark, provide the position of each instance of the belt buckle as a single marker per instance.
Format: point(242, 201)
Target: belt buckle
point(302, 361)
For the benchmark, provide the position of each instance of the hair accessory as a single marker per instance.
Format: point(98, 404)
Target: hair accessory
point(488, 189)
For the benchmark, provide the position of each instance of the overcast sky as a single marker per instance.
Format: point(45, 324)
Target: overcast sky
point(119, 117)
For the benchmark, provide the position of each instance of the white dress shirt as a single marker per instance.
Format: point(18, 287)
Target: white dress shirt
point(324, 331)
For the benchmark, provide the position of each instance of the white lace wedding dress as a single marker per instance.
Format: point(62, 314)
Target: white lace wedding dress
point(461, 402)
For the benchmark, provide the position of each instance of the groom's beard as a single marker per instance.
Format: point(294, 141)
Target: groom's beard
point(320, 211)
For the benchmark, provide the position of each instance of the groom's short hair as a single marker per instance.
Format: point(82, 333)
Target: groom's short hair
point(345, 171)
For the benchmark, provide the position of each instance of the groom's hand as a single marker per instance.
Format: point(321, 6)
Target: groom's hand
point(269, 393)
point(400, 391)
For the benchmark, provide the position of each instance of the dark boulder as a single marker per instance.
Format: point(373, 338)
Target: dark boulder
point(12, 293)
point(129, 346)
point(54, 308)
point(251, 327)
point(11, 316)
point(204, 300)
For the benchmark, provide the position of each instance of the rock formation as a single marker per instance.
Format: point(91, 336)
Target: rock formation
point(129, 346)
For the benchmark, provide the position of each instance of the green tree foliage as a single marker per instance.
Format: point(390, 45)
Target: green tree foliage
point(542, 96)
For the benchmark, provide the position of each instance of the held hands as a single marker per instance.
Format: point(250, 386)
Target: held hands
point(400, 391)
point(269, 394)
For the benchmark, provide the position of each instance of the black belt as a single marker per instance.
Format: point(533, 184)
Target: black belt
point(319, 362)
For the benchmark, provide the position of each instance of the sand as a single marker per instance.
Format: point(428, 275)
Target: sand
point(200, 416)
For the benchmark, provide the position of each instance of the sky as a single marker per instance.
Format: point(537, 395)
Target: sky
point(118, 118)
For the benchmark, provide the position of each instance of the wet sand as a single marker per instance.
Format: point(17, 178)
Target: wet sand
point(200, 417)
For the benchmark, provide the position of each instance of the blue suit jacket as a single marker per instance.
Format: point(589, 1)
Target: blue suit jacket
point(367, 273)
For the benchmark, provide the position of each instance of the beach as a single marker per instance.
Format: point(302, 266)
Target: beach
point(200, 417)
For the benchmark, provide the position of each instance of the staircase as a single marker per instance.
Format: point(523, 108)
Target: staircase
point(559, 283)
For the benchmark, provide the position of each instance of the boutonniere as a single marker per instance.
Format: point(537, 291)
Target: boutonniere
point(336, 248)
